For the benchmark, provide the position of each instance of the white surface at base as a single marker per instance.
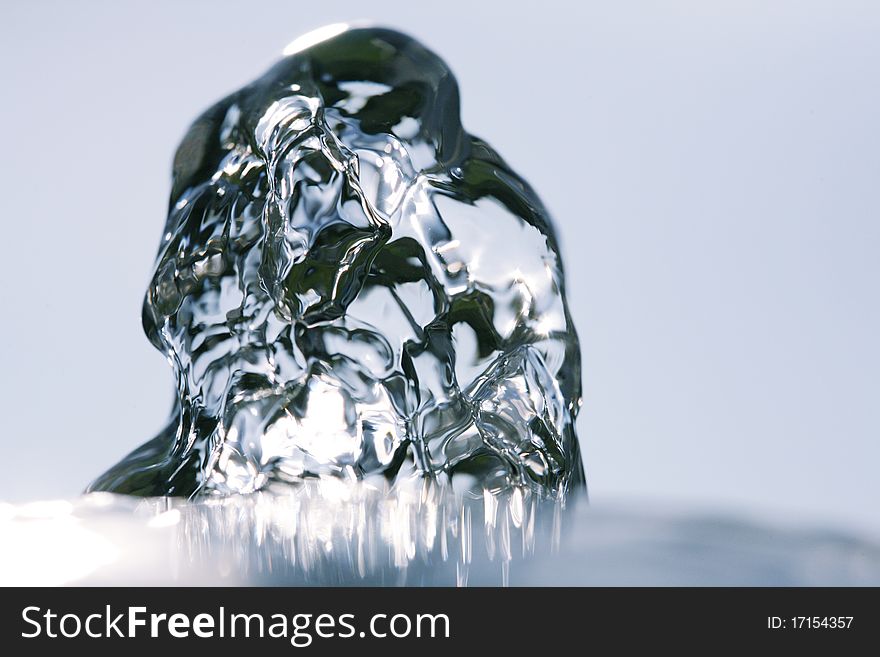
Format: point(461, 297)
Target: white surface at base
point(401, 539)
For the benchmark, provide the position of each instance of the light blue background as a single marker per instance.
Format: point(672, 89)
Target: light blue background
point(713, 168)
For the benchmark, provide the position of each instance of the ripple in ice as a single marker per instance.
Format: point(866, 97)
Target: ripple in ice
point(349, 284)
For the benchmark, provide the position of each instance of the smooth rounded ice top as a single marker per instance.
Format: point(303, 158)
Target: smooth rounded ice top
point(417, 85)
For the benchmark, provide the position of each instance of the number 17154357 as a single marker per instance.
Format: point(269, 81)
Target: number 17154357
point(809, 622)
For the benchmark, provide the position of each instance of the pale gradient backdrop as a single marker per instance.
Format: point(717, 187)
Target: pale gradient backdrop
point(713, 168)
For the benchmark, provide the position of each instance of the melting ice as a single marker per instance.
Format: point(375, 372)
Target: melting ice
point(377, 374)
point(349, 285)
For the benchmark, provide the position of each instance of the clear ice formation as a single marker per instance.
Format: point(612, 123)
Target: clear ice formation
point(350, 285)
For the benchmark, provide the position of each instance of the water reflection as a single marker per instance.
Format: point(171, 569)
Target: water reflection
point(332, 533)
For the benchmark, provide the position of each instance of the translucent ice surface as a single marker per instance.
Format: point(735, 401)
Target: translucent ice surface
point(332, 532)
point(349, 284)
